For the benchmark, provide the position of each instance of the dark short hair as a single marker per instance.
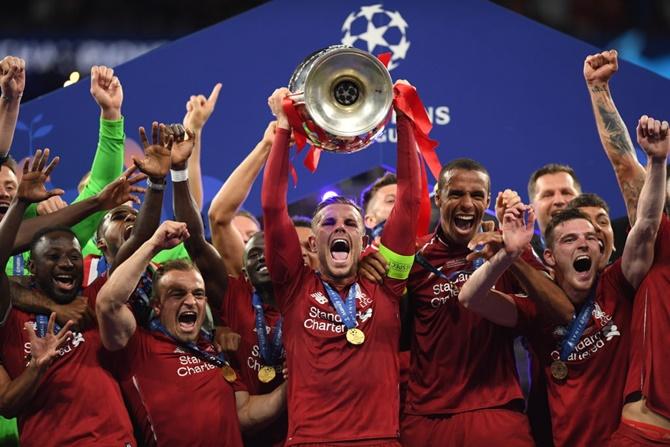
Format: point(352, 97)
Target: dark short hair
point(551, 168)
point(557, 219)
point(334, 201)
point(248, 215)
point(589, 199)
point(465, 164)
point(47, 231)
point(10, 163)
point(389, 178)
point(183, 265)
point(301, 221)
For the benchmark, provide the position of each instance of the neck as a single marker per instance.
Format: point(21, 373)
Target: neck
point(267, 294)
point(339, 281)
point(576, 297)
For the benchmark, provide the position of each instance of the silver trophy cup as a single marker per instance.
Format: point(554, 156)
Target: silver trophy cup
point(343, 97)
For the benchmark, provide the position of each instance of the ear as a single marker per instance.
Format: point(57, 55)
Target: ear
point(31, 267)
point(101, 245)
point(366, 242)
point(312, 243)
point(436, 198)
point(488, 201)
point(549, 257)
point(157, 308)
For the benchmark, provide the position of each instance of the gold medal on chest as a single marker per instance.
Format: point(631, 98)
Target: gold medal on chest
point(355, 336)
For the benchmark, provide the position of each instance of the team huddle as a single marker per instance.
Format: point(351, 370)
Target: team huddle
point(347, 328)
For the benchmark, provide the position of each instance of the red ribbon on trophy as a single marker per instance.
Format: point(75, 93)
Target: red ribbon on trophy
point(406, 99)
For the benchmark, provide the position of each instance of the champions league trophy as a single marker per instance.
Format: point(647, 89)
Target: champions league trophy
point(341, 98)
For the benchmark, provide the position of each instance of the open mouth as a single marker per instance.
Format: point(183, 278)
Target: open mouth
point(3, 208)
point(64, 282)
point(582, 264)
point(464, 223)
point(187, 320)
point(127, 232)
point(339, 249)
point(262, 268)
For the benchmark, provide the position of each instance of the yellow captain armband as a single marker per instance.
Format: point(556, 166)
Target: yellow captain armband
point(398, 265)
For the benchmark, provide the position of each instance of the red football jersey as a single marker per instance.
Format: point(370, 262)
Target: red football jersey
point(650, 338)
point(78, 401)
point(586, 406)
point(328, 375)
point(238, 313)
point(460, 361)
point(338, 391)
point(174, 397)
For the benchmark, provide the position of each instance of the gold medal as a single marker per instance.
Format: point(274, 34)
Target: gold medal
point(355, 336)
point(559, 370)
point(266, 374)
point(228, 373)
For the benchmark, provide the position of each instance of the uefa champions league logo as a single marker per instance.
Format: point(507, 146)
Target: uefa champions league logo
point(376, 30)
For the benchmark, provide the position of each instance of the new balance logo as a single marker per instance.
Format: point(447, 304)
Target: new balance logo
point(319, 297)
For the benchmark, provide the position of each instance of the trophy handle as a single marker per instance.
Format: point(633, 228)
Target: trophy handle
point(298, 98)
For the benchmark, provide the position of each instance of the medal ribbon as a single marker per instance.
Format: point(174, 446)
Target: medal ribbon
point(578, 324)
point(216, 360)
point(423, 262)
point(346, 310)
point(269, 355)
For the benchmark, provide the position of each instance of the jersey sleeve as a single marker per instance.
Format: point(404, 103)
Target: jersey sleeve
point(107, 166)
point(398, 241)
point(282, 246)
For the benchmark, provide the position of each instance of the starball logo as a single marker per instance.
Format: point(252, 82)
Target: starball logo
point(376, 30)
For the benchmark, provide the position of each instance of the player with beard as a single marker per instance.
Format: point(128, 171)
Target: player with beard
point(585, 363)
point(340, 331)
point(463, 389)
point(172, 363)
point(54, 382)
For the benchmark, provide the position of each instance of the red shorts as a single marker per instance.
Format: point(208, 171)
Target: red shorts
point(636, 434)
point(487, 427)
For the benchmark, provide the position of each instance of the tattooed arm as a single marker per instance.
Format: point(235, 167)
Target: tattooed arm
point(598, 69)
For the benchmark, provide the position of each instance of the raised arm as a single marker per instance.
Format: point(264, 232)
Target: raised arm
point(155, 165)
point(30, 190)
point(551, 300)
point(230, 198)
point(116, 193)
point(258, 411)
point(203, 254)
point(598, 70)
point(477, 294)
point(12, 83)
point(198, 111)
point(115, 319)
point(399, 233)
point(638, 254)
point(282, 246)
point(107, 164)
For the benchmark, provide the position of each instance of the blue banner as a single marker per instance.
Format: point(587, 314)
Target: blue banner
point(500, 88)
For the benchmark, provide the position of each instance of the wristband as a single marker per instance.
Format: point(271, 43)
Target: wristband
point(398, 265)
point(11, 98)
point(179, 176)
point(155, 186)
